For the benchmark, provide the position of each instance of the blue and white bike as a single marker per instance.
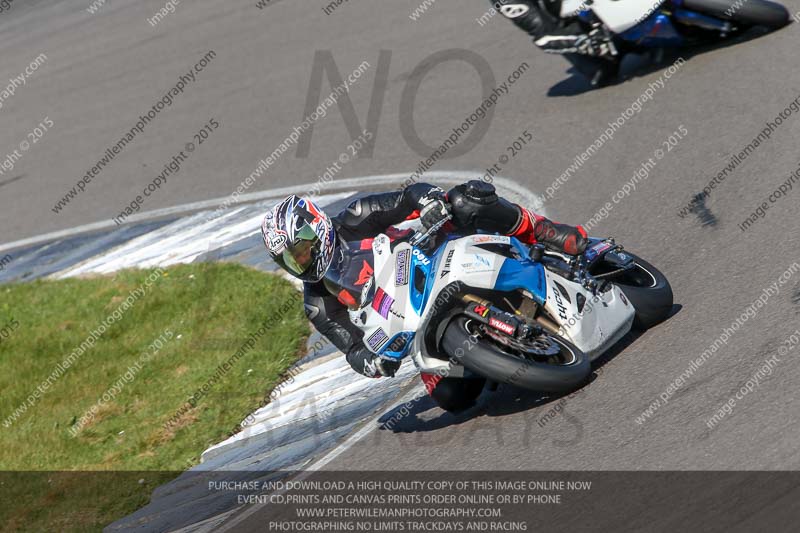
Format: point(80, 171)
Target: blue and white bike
point(673, 23)
point(488, 307)
point(619, 27)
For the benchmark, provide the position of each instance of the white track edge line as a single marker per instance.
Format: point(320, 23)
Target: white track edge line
point(338, 185)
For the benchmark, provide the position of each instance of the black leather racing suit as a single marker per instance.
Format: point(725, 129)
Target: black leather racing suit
point(543, 19)
point(475, 208)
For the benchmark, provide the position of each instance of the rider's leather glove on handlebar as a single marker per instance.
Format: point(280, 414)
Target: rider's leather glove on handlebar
point(435, 208)
point(368, 364)
point(570, 240)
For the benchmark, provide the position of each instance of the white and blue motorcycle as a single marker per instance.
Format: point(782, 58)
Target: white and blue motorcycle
point(618, 27)
point(487, 306)
point(674, 23)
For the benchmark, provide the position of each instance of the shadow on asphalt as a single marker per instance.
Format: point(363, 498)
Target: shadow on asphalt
point(648, 62)
point(421, 415)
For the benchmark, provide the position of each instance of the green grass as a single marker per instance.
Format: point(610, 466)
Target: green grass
point(203, 313)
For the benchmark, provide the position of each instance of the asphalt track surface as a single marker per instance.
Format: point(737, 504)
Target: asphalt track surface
point(104, 70)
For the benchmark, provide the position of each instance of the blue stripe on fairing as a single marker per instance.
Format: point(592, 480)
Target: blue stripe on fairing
point(518, 274)
point(420, 299)
point(656, 30)
point(402, 353)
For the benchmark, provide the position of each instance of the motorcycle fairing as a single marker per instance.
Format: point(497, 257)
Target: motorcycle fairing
point(527, 275)
point(570, 8)
point(391, 322)
point(399, 345)
point(621, 15)
point(658, 30)
point(423, 268)
point(577, 313)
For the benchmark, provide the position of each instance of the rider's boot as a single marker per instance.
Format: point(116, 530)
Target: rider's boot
point(571, 240)
point(476, 207)
point(534, 228)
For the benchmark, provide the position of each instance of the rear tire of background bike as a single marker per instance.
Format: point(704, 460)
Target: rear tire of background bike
point(653, 304)
point(751, 12)
point(490, 361)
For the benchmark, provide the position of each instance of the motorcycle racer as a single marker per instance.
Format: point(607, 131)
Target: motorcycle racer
point(587, 49)
point(314, 248)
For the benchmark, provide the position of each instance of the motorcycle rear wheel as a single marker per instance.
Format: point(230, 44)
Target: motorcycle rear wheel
point(750, 12)
point(558, 373)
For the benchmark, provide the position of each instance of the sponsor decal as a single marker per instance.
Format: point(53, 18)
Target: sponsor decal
point(277, 241)
point(514, 11)
point(602, 247)
point(365, 274)
point(382, 303)
point(479, 264)
point(596, 250)
point(563, 291)
point(402, 267)
point(446, 269)
point(354, 208)
point(399, 343)
point(481, 310)
point(377, 340)
point(311, 311)
point(502, 326)
point(378, 244)
point(422, 258)
point(483, 239)
point(562, 309)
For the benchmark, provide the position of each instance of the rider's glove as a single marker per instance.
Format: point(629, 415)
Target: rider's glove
point(570, 240)
point(595, 43)
point(368, 364)
point(434, 208)
point(378, 367)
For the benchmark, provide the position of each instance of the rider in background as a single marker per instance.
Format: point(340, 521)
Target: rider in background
point(586, 49)
point(309, 245)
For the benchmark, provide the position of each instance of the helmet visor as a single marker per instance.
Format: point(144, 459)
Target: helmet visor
point(298, 256)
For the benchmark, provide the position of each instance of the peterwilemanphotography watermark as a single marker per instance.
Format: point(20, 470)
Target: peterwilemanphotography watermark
point(116, 388)
point(85, 346)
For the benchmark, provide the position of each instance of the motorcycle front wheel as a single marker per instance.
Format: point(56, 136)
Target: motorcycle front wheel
point(546, 363)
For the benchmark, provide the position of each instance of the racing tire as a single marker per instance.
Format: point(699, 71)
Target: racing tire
point(751, 12)
point(649, 292)
point(488, 359)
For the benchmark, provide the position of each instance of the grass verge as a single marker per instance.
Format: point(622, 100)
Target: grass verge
point(137, 372)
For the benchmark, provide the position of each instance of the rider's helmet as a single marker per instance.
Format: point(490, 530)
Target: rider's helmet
point(300, 238)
